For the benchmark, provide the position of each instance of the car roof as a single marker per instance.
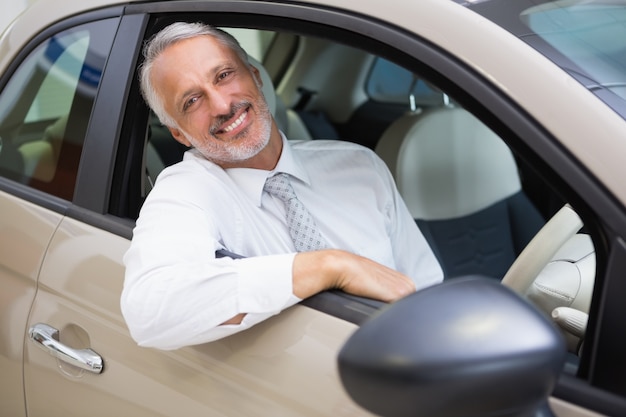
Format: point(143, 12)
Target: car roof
point(564, 115)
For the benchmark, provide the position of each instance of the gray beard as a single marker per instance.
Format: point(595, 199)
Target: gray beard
point(231, 153)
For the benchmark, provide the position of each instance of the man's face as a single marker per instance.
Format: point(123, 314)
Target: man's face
point(215, 99)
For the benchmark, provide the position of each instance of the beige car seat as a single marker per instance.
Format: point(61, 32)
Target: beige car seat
point(461, 184)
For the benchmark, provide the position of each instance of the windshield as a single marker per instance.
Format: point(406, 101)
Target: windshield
point(587, 38)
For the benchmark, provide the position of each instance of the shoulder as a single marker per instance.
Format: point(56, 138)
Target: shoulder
point(327, 145)
point(189, 179)
point(338, 154)
point(192, 165)
point(353, 163)
point(335, 150)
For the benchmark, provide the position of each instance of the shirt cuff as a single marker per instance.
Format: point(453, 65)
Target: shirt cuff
point(266, 283)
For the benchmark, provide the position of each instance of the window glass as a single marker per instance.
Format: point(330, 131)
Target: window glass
point(390, 83)
point(255, 42)
point(45, 108)
point(55, 95)
point(591, 34)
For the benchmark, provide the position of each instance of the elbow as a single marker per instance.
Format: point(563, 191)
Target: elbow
point(142, 320)
point(137, 320)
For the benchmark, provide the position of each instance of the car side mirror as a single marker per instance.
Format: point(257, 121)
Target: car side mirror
point(466, 347)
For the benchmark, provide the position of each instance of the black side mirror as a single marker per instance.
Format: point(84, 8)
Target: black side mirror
point(467, 347)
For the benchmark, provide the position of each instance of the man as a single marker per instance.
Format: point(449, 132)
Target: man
point(199, 83)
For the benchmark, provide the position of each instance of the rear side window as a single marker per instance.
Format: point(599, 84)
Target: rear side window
point(46, 105)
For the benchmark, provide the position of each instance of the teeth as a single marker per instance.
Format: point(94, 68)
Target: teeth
point(236, 122)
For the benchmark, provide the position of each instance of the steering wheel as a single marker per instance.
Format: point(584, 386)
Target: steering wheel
point(540, 250)
point(536, 256)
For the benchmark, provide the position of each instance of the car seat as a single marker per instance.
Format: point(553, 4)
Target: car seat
point(288, 120)
point(461, 184)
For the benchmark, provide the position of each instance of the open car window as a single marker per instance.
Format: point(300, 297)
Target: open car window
point(478, 201)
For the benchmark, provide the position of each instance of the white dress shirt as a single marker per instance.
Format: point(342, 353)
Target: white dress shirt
point(177, 293)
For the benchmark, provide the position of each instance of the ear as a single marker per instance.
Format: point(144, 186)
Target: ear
point(178, 135)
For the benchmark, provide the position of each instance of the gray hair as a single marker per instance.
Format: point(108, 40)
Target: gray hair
point(168, 36)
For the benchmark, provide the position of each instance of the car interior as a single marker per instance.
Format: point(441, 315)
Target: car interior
point(461, 184)
point(473, 199)
point(459, 179)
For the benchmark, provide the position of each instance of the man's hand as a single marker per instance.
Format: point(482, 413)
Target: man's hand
point(317, 271)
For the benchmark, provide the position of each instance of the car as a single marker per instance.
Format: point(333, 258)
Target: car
point(503, 124)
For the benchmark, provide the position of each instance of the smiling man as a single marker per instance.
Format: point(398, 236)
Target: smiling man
point(238, 188)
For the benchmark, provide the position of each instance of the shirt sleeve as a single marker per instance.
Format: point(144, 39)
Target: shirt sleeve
point(176, 292)
point(412, 253)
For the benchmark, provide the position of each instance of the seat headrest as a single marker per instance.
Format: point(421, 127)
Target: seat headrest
point(268, 86)
point(447, 163)
point(276, 107)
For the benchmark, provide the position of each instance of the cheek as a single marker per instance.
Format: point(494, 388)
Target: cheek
point(198, 121)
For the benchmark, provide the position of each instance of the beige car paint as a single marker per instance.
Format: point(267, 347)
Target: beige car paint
point(25, 231)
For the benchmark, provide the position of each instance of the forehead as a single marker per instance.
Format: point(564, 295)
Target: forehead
point(187, 62)
point(206, 49)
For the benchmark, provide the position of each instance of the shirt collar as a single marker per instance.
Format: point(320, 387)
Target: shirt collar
point(251, 181)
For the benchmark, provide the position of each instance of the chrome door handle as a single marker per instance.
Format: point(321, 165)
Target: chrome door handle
point(47, 338)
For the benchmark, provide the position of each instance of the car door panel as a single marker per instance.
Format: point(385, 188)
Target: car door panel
point(25, 231)
point(263, 371)
point(284, 366)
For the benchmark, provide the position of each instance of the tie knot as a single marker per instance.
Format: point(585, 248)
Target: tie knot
point(279, 186)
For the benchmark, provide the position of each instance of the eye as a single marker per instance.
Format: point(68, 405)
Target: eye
point(223, 75)
point(190, 103)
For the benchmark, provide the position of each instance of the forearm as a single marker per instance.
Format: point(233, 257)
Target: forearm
point(183, 304)
point(314, 272)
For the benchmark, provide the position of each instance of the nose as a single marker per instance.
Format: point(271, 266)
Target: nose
point(220, 103)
